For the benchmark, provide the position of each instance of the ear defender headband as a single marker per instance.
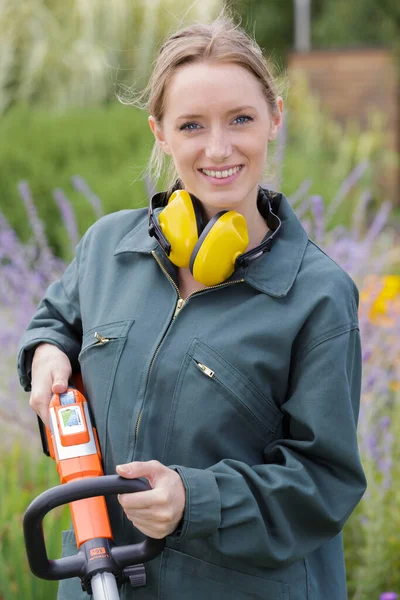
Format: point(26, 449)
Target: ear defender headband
point(210, 249)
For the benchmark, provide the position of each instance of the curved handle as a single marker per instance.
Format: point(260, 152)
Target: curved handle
point(75, 566)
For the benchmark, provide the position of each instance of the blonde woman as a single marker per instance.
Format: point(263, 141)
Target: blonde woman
point(227, 373)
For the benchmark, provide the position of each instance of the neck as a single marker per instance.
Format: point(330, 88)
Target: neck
point(257, 228)
point(256, 225)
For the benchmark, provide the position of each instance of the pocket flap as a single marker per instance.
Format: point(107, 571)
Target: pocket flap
point(107, 331)
point(242, 388)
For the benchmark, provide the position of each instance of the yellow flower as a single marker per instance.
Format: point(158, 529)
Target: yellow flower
point(389, 294)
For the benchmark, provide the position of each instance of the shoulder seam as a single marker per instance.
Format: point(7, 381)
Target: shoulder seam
point(345, 276)
point(336, 331)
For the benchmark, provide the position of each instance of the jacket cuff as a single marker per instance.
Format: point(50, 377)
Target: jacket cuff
point(202, 514)
point(28, 344)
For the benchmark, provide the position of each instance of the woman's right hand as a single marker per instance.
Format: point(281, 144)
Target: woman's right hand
point(51, 370)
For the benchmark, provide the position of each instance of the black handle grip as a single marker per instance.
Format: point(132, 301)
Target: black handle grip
point(74, 566)
point(43, 437)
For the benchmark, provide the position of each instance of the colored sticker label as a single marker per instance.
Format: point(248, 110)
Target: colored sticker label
point(71, 420)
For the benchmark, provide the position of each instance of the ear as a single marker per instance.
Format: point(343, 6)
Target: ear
point(158, 134)
point(276, 121)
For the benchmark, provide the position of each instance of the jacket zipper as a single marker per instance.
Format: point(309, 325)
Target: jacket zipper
point(179, 305)
point(100, 339)
point(206, 370)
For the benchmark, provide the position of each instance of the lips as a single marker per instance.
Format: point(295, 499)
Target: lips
point(225, 168)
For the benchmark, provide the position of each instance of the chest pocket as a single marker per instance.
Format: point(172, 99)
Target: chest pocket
point(99, 358)
point(217, 413)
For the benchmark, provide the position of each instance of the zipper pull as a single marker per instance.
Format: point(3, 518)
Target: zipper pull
point(178, 307)
point(206, 370)
point(100, 338)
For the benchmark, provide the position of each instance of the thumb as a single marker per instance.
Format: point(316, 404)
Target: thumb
point(60, 381)
point(136, 469)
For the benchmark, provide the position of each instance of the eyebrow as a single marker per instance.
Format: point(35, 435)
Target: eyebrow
point(234, 110)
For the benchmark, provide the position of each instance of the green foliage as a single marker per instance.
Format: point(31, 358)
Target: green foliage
point(109, 147)
point(334, 24)
point(271, 23)
point(357, 23)
point(21, 480)
point(372, 542)
point(325, 152)
point(69, 53)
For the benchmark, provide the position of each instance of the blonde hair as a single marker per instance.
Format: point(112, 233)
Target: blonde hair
point(219, 41)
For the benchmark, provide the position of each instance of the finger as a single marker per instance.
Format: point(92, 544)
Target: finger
point(150, 528)
point(47, 379)
point(149, 515)
point(140, 500)
point(40, 397)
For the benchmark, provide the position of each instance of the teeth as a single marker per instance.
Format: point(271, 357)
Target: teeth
point(221, 174)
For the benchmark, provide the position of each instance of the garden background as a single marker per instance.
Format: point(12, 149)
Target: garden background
point(70, 152)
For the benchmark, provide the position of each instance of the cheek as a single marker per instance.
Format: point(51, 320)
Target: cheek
point(258, 148)
point(186, 156)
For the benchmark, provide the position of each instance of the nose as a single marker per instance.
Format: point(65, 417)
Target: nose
point(219, 146)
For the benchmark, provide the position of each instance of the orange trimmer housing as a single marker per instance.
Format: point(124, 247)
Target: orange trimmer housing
point(73, 444)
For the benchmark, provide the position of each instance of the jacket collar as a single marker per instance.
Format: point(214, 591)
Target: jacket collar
point(274, 273)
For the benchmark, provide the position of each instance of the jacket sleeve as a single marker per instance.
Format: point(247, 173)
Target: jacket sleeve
point(275, 513)
point(57, 321)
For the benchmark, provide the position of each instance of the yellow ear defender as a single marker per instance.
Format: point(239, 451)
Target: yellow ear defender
point(209, 249)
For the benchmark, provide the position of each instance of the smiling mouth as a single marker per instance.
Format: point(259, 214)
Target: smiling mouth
point(222, 174)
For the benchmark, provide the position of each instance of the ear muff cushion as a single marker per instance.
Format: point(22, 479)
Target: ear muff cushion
point(201, 218)
point(223, 239)
point(179, 224)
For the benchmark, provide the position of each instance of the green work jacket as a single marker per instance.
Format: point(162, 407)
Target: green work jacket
point(250, 389)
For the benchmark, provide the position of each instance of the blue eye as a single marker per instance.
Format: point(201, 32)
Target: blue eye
point(186, 127)
point(248, 119)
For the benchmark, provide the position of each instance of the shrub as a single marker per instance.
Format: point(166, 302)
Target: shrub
point(107, 146)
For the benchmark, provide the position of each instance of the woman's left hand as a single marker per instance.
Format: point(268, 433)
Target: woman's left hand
point(156, 512)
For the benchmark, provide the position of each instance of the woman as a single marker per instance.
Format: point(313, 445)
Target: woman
point(239, 400)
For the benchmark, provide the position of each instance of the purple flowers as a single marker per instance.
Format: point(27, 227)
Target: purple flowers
point(388, 596)
point(26, 270)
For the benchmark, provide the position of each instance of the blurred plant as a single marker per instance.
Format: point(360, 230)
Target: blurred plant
point(360, 23)
point(61, 54)
point(107, 146)
point(339, 25)
point(26, 270)
point(22, 478)
point(316, 144)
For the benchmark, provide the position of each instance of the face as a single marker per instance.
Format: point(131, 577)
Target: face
point(216, 128)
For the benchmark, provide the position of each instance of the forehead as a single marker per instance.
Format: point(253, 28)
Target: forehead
point(203, 87)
